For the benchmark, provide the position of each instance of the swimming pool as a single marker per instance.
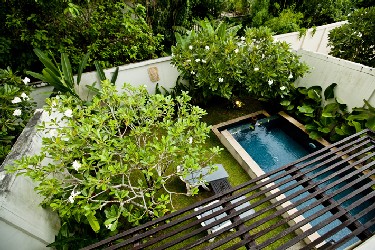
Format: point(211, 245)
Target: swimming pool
point(272, 142)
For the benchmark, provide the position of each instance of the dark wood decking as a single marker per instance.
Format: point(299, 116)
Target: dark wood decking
point(336, 179)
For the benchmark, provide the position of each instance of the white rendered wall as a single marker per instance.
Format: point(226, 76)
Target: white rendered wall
point(355, 81)
point(147, 73)
point(24, 224)
point(314, 40)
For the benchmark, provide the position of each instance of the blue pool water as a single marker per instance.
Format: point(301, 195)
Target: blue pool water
point(274, 142)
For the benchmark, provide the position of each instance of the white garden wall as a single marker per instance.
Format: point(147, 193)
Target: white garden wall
point(316, 39)
point(147, 73)
point(355, 82)
point(24, 224)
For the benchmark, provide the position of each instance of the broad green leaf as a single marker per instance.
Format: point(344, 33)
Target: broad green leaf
point(82, 66)
point(329, 91)
point(67, 70)
point(315, 135)
point(99, 71)
point(306, 109)
point(114, 76)
point(371, 123)
point(47, 62)
point(37, 76)
point(357, 126)
point(360, 117)
point(285, 103)
point(315, 93)
point(93, 222)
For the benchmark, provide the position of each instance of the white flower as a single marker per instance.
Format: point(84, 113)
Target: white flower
point(26, 80)
point(256, 69)
point(68, 113)
point(263, 56)
point(207, 47)
point(190, 47)
point(16, 100)
point(243, 38)
point(72, 196)
point(282, 88)
point(236, 51)
point(24, 96)
point(17, 112)
point(191, 140)
point(221, 79)
point(53, 133)
point(204, 61)
point(76, 165)
point(290, 76)
point(108, 226)
point(188, 60)
point(197, 60)
point(193, 73)
point(359, 34)
point(270, 82)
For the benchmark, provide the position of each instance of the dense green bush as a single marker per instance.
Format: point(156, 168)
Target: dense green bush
point(324, 116)
point(16, 108)
point(355, 41)
point(216, 62)
point(114, 160)
point(168, 16)
point(287, 21)
point(111, 31)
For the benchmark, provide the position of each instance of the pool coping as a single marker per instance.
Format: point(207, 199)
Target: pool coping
point(253, 169)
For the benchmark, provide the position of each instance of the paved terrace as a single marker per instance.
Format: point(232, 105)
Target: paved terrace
point(346, 167)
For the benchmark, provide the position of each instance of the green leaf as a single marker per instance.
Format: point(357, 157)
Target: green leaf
point(306, 109)
point(371, 123)
point(93, 222)
point(67, 70)
point(285, 103)
point(315, 135)
point(314, 93)
point(99, 71)
point(329, 91)
point(47, 62)
point(357, 126)
point(82, 66)
point(114, 76)
point(37, 76)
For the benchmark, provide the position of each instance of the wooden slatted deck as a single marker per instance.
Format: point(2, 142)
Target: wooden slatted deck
point(337, 179)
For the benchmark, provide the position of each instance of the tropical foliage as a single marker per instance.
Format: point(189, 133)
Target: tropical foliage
point(324, 116)
point(16, 108)
point(111, 163)
point(355, 41)
point(111, 31)
point(217, 62)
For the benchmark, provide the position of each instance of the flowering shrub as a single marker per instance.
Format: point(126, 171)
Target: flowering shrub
point(114, 160)
point(355, 41)
point(218, 62)
point(15, 110)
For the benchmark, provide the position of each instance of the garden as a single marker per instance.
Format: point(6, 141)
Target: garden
point(109, 162)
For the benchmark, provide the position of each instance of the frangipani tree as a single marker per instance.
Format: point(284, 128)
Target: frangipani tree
point(217, 62)
point(112, 162)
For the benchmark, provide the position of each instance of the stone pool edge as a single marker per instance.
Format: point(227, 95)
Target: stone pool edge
point(253, 169)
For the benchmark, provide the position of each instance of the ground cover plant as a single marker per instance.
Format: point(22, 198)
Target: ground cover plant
point(15, 110)
point(217, 62)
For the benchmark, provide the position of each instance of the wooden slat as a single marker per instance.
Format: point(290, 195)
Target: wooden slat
point(351, 154)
